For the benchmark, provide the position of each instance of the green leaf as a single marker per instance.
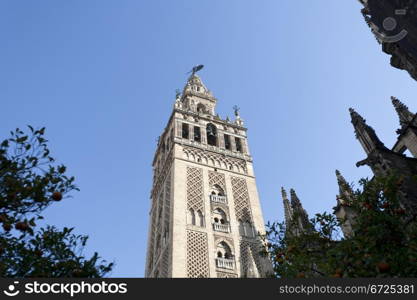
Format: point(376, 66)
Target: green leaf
point(5, 143)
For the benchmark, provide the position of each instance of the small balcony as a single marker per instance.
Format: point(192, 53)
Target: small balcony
point(221, 227)
point(225, 263)
point(218, 199)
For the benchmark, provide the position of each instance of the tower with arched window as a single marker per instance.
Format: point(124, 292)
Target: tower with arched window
point(205, 217)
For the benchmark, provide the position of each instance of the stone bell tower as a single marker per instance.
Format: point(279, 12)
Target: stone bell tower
point(205, 213)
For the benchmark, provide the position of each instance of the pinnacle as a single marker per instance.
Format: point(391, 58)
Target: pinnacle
point(355, 116)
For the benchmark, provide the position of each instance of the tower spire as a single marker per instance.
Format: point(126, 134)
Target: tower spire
point(403, 112)
point(301, 221)
point(295, 202)
point(343, 210)
point(287, 206)
point(365, 133)
point(345, 191)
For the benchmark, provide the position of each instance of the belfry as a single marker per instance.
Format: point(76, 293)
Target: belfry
point(205, 217)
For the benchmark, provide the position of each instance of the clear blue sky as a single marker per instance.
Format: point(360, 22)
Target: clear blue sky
point(101, 76)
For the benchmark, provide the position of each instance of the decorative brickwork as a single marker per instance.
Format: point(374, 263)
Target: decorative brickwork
point(217, 178)
point(195, 192)
point(164, 264)
point(197, 255)
point(241, 199)
point(250, 258)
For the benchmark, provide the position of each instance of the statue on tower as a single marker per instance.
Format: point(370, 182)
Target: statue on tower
point(236, 109)
point(195, 69)
point(238, 120)
point(178, 98)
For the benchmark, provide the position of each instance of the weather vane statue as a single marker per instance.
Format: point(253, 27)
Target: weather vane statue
point(236, 109)
point(195, 69)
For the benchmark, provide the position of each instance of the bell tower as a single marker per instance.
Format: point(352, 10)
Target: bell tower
point(205, 214)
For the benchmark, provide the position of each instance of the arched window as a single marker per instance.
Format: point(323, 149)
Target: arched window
point(219, 254)
point(220, 216)
point(227, 143)
point(238, 144)
point(217, 190)
point(197, 134)
point(185, 131)
point(200, 219)
point(211, 134)
point(224, 249)
point(191, 217)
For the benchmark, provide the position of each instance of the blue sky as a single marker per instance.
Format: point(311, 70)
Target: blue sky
point(101, 76)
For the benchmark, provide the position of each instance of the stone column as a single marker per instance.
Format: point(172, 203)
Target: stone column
point(179, 129)
point(220, 137)
point(203, 135)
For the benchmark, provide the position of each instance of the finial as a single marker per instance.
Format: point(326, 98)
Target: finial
point(355, 116)
point(341, 179)
point(284, 193)
point(294, 199)
point(397, 103)
point(403, 112)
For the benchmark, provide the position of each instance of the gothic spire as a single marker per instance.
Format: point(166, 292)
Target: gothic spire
point(365, 133)
point(403, 112)
point(299, 212)
point(295, 202)
point(345, 191)
point(287, 206)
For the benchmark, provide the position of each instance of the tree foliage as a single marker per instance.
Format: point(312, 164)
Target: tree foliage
point(30, 181)
point(384, 243)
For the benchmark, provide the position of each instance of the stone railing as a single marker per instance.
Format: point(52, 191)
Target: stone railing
point(225, 263)
point(221, 227)
point(218, 199)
